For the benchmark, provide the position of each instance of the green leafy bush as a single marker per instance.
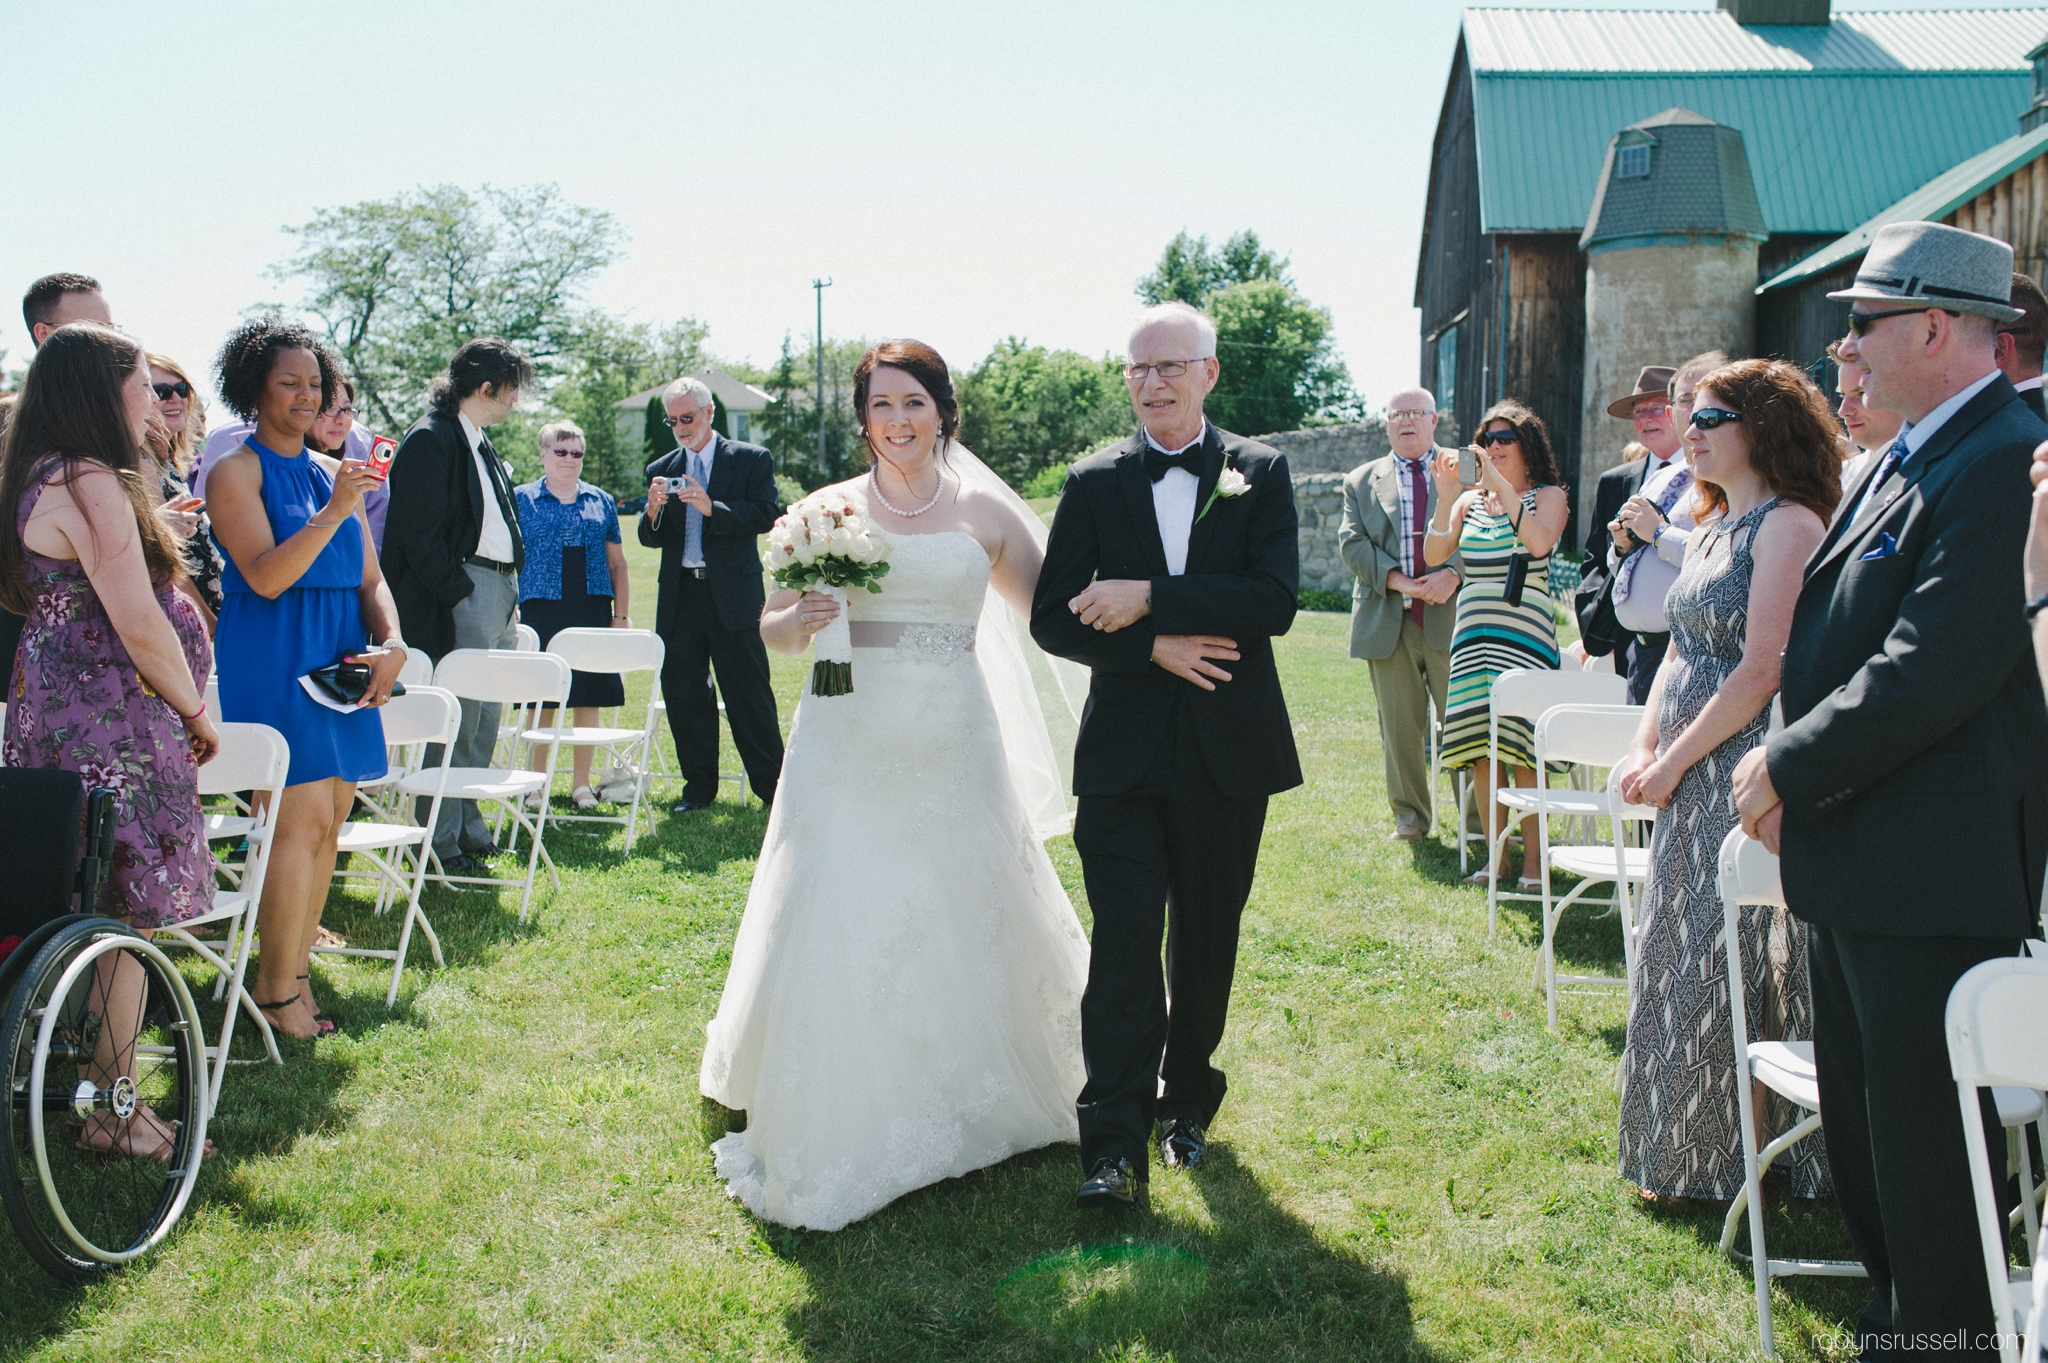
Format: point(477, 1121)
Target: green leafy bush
point(1322, 599)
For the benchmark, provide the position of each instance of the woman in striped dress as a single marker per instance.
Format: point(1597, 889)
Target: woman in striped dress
point(1516, 510)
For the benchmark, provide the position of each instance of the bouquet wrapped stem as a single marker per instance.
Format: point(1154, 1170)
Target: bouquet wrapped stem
point(822, 544)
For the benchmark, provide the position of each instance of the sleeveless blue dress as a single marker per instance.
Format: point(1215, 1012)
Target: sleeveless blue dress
point(262, 647)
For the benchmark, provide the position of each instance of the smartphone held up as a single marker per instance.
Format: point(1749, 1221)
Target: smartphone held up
point(1468, 467)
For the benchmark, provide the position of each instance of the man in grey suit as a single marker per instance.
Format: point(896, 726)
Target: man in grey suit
point(1401, 608)
point(1906, 785)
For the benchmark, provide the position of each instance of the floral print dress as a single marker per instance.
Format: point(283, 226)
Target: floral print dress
point(76, 702)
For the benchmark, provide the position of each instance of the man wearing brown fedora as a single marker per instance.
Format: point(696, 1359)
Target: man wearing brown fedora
point(1905, 792)
point(1648, 405)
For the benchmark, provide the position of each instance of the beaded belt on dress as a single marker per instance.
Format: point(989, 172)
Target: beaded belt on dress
point(913, 636)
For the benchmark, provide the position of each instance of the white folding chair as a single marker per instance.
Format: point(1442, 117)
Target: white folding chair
point(525, 639)
point(609, 650)
point(659, 768)
point(378, 796)
point(1749, 878)
point(252, 757)
point(423, 715)
point(1614, 862)
point(1525, 693)
point(503, 677)
point(1997, 1024)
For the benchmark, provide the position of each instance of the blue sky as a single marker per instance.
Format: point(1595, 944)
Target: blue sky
point(963, 172)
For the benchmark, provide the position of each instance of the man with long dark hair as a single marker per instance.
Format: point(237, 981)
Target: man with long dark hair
point(452, 554)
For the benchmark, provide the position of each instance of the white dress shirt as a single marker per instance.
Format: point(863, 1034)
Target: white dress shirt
point(1641, 606)
point(2026, 385)
point(1173, 504)
point(493, 537)
point(1916, 434)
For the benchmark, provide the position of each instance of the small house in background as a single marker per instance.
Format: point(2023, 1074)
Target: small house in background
point(1838, 115)
point(739, 405)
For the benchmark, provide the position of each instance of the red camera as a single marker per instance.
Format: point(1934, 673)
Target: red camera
point(382, 447)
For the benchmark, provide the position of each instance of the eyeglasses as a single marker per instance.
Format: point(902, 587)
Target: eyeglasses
point(1411, 414)
point(166, 391)
point(348, 412)
point(1860, 323)
point(568, 454)
point(674, 421)
point(1500, 438)
point(1166, 369)
point(1658, 410)
point(1707, 418)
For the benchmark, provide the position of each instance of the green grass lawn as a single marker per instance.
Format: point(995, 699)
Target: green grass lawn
point(513, 1164)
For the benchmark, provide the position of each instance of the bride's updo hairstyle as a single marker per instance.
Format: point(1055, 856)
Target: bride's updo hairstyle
point(922, 363)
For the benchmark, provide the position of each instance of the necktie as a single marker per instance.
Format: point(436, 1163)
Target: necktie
point(1418, 522)
point(1665, 500)
point(1893, 456)
point(502, 490)
point(693, 520)
point(1158, 461)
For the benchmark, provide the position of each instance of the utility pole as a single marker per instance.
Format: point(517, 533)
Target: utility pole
point(819, 286)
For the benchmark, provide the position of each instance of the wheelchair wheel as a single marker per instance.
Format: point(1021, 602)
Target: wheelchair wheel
point(80, 1207)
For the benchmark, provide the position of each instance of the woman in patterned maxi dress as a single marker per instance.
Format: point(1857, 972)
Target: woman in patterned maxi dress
point(1764, 455)
point(1517, 510)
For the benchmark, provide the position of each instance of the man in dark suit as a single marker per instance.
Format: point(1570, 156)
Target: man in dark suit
point(1648, 406)
point(452, 555)
point(1170, 568)
point(2022, 344)
point(1906, 787)
point(709, 610)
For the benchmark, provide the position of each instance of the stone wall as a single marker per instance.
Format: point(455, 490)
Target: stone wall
point(1318, 459)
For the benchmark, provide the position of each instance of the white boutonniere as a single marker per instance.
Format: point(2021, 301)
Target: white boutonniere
point(1230, 483)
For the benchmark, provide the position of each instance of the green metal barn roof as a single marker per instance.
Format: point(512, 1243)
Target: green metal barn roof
point(1838, 120)
point(1936, 199)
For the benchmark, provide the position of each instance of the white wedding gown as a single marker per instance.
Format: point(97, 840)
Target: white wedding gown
point(904, 999)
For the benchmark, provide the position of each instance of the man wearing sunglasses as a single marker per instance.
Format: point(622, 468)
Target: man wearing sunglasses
point(1905, 791)
point(1648, 407)
point(708, 612)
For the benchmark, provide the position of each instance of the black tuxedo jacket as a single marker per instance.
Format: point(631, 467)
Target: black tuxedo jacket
point(1911, 761)
point(743, 506)
point(436, 512)
point(1242, 582)
point(2033, 399)
point(1616, 486)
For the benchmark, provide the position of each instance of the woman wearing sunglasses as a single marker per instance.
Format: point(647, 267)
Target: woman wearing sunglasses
point(184, 415)
point(1767, 461)
point(574, 576)
point(1503, 530)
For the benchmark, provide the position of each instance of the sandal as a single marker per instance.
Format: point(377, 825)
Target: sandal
point(321, 1020)
point(1529, 884)
point(1478, 878)
point(584, 797)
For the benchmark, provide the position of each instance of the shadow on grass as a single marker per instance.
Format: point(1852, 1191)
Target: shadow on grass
point(1000, 1265)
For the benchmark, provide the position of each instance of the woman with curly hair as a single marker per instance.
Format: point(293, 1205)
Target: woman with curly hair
point(1766, 458)
point(110, 677)
point(1503, 530)
point(300, 592)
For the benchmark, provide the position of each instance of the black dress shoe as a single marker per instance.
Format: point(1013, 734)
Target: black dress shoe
point(1182, 1142)
point(689, 806)
point(484, 853)
point(1113, 1183)
point(464, 864)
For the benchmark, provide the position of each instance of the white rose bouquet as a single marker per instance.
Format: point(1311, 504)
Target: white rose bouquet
point(822, 544)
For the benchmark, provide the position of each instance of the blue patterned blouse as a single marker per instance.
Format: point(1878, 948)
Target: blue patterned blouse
point(549, 525)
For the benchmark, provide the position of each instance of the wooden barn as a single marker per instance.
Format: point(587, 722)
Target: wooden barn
point(1839, 115)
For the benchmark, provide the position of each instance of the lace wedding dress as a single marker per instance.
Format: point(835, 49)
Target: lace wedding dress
point(904, 999)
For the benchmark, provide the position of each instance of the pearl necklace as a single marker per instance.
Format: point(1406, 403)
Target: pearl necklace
point(876, 484)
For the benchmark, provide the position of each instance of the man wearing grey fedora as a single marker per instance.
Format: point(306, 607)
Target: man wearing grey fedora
point(1905, 792)
point(1402, 610)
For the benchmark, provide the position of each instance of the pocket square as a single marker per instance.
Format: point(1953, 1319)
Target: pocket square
point(1887, 547)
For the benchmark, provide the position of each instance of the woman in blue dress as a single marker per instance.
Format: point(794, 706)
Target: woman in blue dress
point(298, 592)
point(575, 576)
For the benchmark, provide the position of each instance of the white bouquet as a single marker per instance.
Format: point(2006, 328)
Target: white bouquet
point(823, 544)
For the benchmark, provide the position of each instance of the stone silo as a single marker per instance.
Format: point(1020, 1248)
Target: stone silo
point(1671, 266)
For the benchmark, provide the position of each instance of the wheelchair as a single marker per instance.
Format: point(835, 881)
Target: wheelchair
point(97, 1027)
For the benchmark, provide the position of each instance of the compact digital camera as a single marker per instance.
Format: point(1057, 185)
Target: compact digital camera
point(382, 447)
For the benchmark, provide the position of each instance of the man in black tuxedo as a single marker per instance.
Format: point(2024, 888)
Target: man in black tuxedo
point(2022, 344)
point(452, 555)
point(1906, 788)
point(1170, 568)
point(709, 610)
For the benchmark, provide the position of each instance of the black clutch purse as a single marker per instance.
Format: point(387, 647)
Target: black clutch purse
point(344, 682)
point(1518, 573)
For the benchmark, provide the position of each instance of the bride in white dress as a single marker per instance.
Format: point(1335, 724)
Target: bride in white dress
point(904, 999)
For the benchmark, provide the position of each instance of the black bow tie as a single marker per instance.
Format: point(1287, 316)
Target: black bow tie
point(1158, 461)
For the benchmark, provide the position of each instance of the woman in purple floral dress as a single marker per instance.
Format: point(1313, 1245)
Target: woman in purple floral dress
point(110, 677)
